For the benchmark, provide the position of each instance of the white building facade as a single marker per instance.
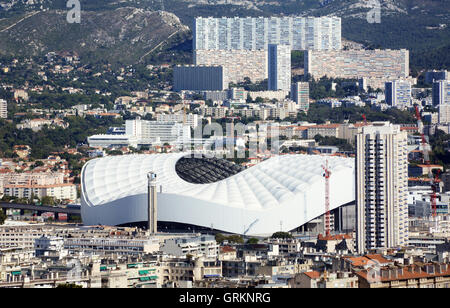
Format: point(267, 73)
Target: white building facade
point(300, 95)
point(251, 33)
point(381, 187)
point(279, 67)
point(398, 93)
point(142, 132)
point(3, 109)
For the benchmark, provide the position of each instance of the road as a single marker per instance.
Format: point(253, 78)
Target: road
point(40, 208)
point(20, 20)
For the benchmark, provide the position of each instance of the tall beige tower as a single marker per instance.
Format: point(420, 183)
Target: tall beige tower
point(152, 204)
point(381, 187)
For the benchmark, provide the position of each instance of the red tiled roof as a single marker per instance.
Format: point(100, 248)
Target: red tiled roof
point(409, 272)
point(312, 274)
point(335, 237)
point(359, 261)
point(326, 126)
point(227, 249)
point(379, 258)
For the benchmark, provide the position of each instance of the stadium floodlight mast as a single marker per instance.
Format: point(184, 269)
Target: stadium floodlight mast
point(326, 175)
point(152, 199)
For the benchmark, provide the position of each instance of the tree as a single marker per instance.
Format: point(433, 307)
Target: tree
point(47, 200)
point(220, 238)
point(282, 235)
point(2, 217)
point(252, 240)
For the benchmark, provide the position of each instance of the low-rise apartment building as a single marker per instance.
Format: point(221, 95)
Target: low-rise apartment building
point(419, 275)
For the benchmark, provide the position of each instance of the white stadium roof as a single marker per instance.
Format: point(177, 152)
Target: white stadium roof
point(287, 189)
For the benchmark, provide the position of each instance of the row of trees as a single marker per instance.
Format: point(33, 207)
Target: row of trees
point(45, 200)
point(237, 239)
point(318, 113)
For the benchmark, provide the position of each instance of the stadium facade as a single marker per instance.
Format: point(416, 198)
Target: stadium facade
point(285, 192)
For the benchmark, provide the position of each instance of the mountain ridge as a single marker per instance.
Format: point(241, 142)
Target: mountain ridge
point(421, 26)
point(123, 34)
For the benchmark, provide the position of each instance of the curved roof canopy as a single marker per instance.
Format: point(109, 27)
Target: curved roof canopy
point(212, 192)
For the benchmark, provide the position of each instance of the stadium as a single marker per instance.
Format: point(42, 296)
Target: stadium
point(283, 192)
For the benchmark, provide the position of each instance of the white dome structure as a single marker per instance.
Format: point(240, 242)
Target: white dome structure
point(287, 189)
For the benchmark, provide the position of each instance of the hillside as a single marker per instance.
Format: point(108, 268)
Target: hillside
point(123, 35)
point(422, 26)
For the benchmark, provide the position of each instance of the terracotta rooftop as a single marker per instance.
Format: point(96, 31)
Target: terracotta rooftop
point(326, 126)
point(336, 237)
point(379, 258)
point(312, 274)
point(404, 273)
point(227, 249)
point(359, 261)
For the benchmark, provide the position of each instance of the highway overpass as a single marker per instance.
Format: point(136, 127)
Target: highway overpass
point(71, 211)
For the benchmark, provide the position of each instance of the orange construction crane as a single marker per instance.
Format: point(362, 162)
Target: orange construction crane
point(434, 189)
point(434, 181)
point(326, 175)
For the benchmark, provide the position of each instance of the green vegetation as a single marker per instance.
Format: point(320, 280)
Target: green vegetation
point(283, 235)
point(47, 200)
point(405, 31)
point(248, 85)
point(252, 240)
point(417, 28)
point(297, 58)
point(234, 238)
point(318, 113)
point(342, 144)
point(323, 87)
point(48, 100)
point(440, 143)
point(26, 71)
point(104, 35)
point(49, 140)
